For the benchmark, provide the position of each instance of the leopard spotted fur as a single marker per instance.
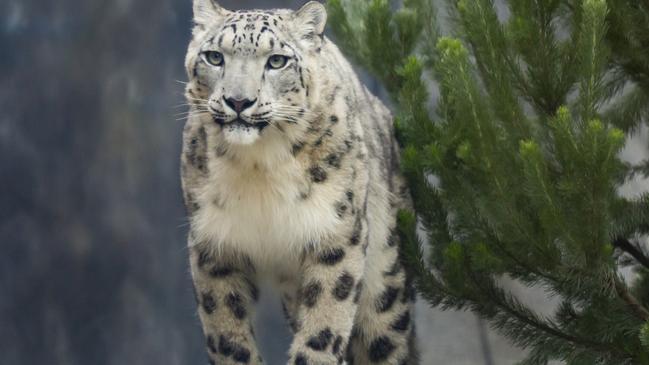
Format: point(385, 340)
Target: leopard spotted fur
point(290, 173)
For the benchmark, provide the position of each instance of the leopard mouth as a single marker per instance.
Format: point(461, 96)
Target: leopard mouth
point(240, 123)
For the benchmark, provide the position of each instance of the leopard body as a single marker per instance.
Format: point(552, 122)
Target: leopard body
point(291, 174)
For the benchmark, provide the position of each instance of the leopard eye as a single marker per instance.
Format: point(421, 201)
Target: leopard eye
point(214, 58)
point(277, 61)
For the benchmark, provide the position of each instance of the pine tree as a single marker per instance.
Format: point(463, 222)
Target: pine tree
point(515, 171)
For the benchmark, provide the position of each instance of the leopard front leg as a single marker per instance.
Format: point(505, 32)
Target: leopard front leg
point(327, 299)
point(225, 291)
point(384, 332)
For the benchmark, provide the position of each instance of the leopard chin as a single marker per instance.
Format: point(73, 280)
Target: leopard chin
point(240, 134)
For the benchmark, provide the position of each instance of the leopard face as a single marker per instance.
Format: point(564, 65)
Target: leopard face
point(250, 71)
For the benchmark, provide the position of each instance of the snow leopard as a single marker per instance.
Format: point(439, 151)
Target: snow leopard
point(290, 175)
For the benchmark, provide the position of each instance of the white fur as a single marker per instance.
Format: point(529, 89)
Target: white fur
point(240, 135)
point(261, 214)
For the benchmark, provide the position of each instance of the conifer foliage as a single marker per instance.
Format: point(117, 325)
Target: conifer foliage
point(515, 171)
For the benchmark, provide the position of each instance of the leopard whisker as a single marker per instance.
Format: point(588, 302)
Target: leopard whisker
point(197, 99)
point(185, 105)
point(202, 109)
point(194, 114)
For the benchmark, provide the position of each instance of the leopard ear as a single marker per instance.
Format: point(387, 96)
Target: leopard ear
point(207, 12)
point(310, 21)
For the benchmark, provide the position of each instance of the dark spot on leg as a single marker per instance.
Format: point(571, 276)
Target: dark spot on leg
point(241, 355)
point(354, 239)
point(311, 293)
point(349, 144)
point(327, 133)
point(226, 348)
point(297, 148)
point(221, 271)
point(335, 349)
point(343, 286)
point(356, 234)
point(332, 257)
point(402, 322)
point(409, 292)
point(334, 160)
point(333, 119)
point(350, 195)
point(321, 341)
point(387, 299)
point(359, 290)
point(235, 303)
point(380, 349)
point(318, 174)
point(210, 344)
point(300, 359)
point(208, 302)
point(341, 208)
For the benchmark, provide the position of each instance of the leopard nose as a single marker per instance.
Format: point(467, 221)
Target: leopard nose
point(239, 105)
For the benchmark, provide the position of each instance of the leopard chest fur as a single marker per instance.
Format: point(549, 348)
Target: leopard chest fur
point(268, 214)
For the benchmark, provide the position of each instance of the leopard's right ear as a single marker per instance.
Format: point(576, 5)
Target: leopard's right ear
point(207, 12)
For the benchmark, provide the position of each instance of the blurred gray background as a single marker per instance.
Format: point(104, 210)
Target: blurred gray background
point(93, 267)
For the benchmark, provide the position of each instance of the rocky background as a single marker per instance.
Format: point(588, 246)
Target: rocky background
point(93, 267)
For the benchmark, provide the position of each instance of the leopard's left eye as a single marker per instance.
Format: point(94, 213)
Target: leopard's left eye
point(214, 58)
point(277, 61)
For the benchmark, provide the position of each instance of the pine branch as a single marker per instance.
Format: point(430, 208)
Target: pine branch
point(494, 294)
point(629, 112)
point(628, 247)
point(541, 211)
point(644, 336)
point(636, 307)
point(632, 218)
